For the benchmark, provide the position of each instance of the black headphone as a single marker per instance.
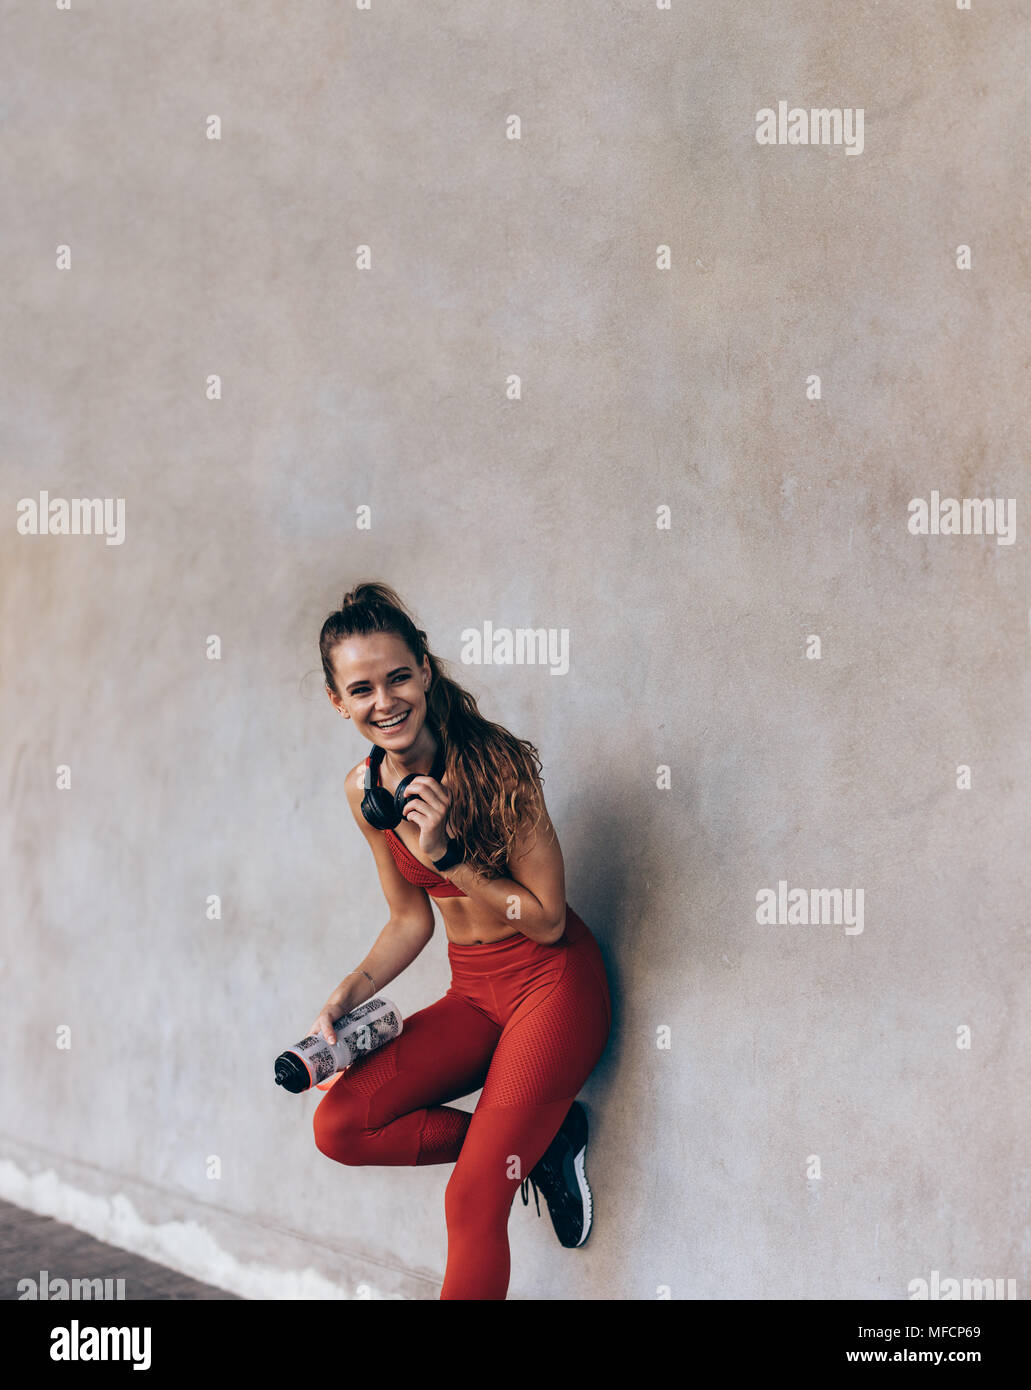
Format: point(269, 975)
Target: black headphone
point(383, 809)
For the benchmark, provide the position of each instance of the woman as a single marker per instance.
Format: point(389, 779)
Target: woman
point(527, 1014)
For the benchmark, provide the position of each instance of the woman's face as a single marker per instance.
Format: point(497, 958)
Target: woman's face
point(380, 682)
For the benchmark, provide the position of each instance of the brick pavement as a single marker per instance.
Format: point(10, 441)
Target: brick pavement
point(30, 1243)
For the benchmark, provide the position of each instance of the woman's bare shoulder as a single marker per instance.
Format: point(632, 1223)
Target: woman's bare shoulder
point(355, 789)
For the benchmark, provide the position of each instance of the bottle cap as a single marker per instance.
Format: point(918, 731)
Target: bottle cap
point(291, 1073)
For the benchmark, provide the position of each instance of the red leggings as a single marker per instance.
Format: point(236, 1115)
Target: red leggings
point(525, 1022)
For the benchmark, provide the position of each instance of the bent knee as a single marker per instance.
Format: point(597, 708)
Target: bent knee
point(339, 1134)
point(344, 1145)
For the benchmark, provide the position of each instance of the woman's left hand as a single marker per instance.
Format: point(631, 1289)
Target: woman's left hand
point(426, 806)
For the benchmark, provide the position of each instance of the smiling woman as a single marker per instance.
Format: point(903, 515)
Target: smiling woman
point(451, 804)
point(406, 703)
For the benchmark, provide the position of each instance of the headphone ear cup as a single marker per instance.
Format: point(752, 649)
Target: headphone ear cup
point(379, 808)
point(400, 797)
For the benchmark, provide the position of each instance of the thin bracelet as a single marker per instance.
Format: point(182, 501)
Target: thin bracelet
point(367, 976)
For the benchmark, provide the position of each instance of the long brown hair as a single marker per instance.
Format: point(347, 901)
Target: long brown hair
point(493, 778)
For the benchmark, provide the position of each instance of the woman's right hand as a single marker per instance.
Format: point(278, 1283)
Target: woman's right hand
point(338, 1004)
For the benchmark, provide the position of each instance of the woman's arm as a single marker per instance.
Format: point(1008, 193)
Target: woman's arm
point(411, 917)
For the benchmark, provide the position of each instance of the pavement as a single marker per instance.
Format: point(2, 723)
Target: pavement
point(31, 1244)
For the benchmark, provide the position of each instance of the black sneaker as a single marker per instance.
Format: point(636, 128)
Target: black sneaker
point(559, 1174)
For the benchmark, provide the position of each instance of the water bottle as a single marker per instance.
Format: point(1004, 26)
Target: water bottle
point(313, 1060)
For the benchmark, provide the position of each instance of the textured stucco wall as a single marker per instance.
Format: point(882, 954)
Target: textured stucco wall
point(642, 387)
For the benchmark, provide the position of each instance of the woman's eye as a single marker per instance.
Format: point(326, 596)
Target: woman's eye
point(364, 690)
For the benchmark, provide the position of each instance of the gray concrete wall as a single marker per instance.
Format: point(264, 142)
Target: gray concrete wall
point(793, 1049)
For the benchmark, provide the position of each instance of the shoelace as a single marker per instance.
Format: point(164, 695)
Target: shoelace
point(550, 1181)
point(526, 1195)
point(546, 1170)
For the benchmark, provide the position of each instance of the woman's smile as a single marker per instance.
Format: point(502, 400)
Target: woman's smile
point(396, 721)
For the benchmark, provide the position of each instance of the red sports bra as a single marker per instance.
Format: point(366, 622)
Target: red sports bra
point(413, 871)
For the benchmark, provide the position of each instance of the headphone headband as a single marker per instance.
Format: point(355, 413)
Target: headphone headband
point(375, 757)
point(383, 809)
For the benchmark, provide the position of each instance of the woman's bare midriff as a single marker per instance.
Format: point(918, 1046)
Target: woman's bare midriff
point(464, 924)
